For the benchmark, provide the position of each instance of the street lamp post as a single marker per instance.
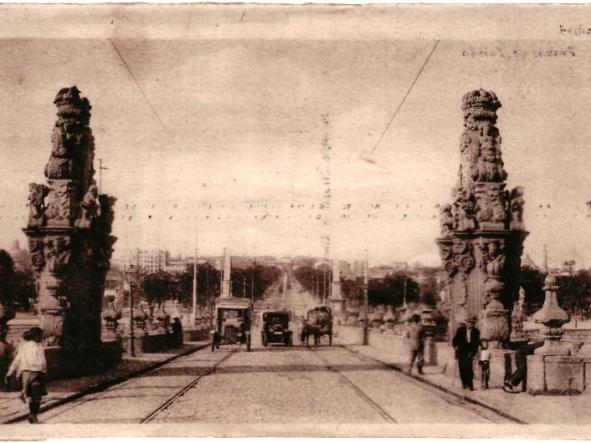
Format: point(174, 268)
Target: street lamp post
point(194, 320)
point(365, 302)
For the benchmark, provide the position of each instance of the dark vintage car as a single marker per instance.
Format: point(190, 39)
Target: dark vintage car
point(232, 322)
point(276, 328)
point(318, 323)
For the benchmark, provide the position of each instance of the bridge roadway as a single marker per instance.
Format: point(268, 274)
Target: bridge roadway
point(271, 385)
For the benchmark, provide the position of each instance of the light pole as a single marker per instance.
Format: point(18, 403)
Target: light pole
point(365, 302)
point(194, 321)
point(131, 328)
point(254, 265)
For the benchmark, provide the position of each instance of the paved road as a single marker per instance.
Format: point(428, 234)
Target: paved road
point(270, 385)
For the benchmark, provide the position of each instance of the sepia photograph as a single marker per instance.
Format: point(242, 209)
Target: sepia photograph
point(295, 221)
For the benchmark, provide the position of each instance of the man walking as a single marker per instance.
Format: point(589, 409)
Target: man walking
point(465, 343)
point(415, 336)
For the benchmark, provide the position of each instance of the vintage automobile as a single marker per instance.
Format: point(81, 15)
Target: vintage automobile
point(318, 323)
point(232, 322)
point(276, 328)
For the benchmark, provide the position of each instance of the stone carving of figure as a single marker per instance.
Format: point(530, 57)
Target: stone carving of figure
point(494, 259)
point(60, 164)
point(90, 208)
point(497, 203)
point(491, 205)
point(447, 220)
point(37, 194)
point(516, 207)
point(59, 203)
point(58, 255)
point(464, 212)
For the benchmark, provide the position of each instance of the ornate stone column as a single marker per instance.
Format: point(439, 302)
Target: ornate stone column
point(69, 232)
point(482, 231)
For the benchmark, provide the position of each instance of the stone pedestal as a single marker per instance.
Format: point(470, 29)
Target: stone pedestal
point(63, 363)
point(558, 375)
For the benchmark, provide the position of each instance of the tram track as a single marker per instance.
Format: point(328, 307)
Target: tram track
point(173, 398)
point(455, 399)
point(98, 388)
point(381, 411)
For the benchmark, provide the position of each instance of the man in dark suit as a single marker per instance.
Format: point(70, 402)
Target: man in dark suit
point(465, 343)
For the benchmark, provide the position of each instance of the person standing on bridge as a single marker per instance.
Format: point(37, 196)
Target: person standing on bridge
point(30, 365)
point(415, 336)
point(465, 343)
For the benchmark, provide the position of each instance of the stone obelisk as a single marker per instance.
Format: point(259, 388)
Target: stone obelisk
point(482, 231)
point(336, 297)
point(226, 275)
point(70, 242)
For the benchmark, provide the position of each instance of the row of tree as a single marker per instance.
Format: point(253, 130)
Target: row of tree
point(574, 290)
point(390, 290)
point(250, 282)
point(17, 288)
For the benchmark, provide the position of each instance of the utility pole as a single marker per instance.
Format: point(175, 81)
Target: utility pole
point(324, 282)
point(194, 320)
point(365, 301)
point(132, 286)
point(317, 287)
point(254, 266)
point(208, 294)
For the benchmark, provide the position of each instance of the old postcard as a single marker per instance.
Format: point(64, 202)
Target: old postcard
point(297, 220)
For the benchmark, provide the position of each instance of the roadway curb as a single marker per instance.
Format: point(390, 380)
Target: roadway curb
point(399, 368)
point(101, 386)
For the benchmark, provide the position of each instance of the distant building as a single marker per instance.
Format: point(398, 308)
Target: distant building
point(148, 260)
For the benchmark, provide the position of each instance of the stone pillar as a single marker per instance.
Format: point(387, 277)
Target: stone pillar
point(336, 300)
point(552, 369)
point(70, 242)
point(552, 316)
point(482, 231)
point(226, 275)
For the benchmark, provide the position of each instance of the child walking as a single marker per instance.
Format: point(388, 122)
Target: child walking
point(484, 362)
point(30, 365)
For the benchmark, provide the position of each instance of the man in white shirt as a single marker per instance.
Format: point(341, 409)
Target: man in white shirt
point(30, 365)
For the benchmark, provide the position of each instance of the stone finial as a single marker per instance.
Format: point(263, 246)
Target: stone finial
point(71, 105)
point(481, 99)
point(552, 316)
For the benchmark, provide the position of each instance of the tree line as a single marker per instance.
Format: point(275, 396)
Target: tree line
point(390, 290)
point(250, 282)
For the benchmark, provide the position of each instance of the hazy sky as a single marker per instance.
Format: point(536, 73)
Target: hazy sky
point(239, 125)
